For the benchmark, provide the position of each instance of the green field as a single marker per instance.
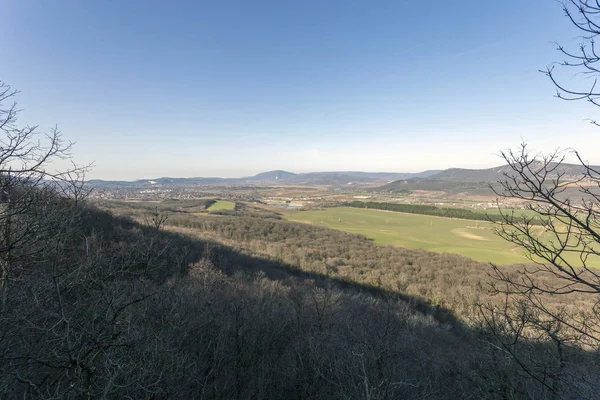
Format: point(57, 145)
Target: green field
point(221, 205)
point(474, 239)
point(508, 211)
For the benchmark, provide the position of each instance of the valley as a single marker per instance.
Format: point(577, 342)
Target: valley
point(325, 201)
point(279, 200)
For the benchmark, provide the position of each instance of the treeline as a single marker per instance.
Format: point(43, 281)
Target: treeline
point(435, 211)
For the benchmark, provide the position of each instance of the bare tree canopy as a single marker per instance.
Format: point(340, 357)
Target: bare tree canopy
point(29, 210)
point(581, 62)
point(26, 153)
point(556, 298)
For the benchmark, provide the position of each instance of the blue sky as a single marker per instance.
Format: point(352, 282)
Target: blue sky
point(232, 88)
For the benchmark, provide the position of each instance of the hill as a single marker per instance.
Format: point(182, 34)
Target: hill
point(474, 181)
point(568, 172)
point(271, 176)
point(451, 180)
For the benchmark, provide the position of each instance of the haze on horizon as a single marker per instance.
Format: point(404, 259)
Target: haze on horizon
point(230, 89)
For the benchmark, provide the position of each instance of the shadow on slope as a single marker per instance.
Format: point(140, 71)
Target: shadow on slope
point(144, 313)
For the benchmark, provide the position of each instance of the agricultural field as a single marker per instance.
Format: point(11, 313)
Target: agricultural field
point(508, 211)
point(474, 239)
point(221, 205)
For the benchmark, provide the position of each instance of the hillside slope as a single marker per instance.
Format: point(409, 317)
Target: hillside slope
point(235, 306)
point(474, 181)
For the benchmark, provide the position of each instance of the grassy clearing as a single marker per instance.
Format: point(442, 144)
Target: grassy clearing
point(474, 239)
point(221, 205)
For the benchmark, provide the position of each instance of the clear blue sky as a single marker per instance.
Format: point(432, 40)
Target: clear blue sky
point(232, 88)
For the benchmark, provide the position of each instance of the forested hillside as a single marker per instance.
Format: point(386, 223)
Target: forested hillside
point(339, 315)
point(118, 309)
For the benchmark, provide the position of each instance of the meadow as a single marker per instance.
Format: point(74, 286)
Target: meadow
point(473, 239)
point(220, 205)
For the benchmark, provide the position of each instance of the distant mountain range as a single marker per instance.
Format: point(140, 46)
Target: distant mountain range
point(275, 177)
point(475, 181)
point(568, 172)
point(453, 179)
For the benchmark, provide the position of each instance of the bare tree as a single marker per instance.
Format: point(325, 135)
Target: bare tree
point(67, 290)
point(549, 315)
point(27, 214)
point(562, 233)
point(553, 303)
point(582, 62)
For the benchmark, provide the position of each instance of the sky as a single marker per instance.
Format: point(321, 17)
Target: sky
point(233, 88)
